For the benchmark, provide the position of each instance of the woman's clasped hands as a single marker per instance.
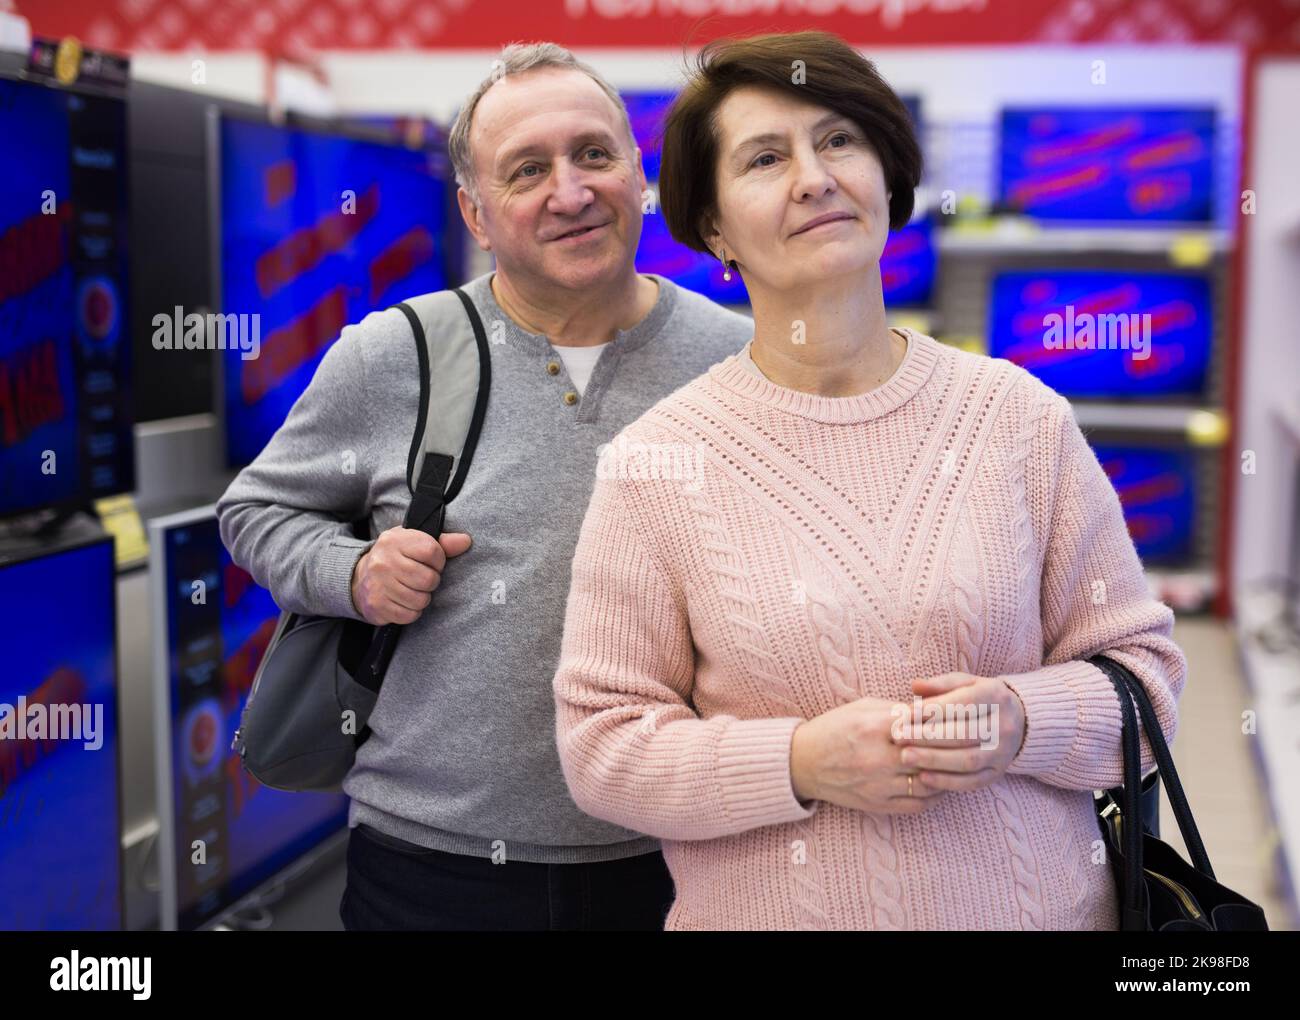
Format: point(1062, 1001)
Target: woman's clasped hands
point(960, 732)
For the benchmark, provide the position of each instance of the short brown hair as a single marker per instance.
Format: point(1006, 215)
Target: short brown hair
point(519, 58)
point(836, 76)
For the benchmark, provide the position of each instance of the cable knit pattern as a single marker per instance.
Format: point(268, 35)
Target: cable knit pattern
point(742, 614)
point(968, 598)
point(1021, 525)
point(1073, 867)
point(884, 886)
point(832, 642)
point(1022, 856)
point(823, 549)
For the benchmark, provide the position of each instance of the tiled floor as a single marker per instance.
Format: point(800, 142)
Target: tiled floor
point(1217, 766)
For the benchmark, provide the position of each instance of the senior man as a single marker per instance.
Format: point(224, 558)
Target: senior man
point(460, 816)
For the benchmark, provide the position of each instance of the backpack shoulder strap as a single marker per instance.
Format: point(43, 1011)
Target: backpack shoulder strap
point(455, 378)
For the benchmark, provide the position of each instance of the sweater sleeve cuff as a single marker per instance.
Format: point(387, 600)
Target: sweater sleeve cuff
point(334, 576)
point(1067, 706)
point(754, 771)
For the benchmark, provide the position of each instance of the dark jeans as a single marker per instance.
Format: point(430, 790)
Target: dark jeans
point(398, 886)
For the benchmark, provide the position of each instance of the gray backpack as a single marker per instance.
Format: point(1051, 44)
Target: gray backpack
point(314, 690)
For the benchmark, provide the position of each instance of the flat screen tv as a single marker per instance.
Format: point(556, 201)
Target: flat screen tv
point(222, 834)
point(60, 795)
point(659, 253)
point(65, 339)
point(1105, 335)
point(316, 231)
point(908, 263)
point(1157, 489)
point(645, 112)
point(1129, 164)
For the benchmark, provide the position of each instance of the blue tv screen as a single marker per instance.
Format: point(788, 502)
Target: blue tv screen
point(1109, 163)
point(65, 342)
point(659, 253)
point(60, 826)
point(645, 112)
point(907, 265)
point(215, 642)
point(1105, 335)
point(317, 231)
point(1157, 489)
point(913, 104)
point(646, 109)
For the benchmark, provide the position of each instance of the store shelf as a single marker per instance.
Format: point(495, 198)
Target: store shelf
point(1274, 681)
point(1022, 237)
point(1184, 591)
point(921, 320)
point(1201, 425)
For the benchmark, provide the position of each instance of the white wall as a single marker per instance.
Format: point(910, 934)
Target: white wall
point(958, 83)
point(1271, 338)
point(228, 75)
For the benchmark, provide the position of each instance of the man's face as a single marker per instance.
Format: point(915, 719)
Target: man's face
point(552, 157)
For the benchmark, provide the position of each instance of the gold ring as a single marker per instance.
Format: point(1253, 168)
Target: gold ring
point(909, 784)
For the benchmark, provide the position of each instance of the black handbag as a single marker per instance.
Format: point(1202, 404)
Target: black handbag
point(1158, 890)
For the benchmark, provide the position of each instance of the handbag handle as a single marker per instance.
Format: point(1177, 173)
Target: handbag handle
point(1130, 833)
point(1124, 680)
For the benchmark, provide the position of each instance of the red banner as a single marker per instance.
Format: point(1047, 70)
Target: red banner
point(305, 25)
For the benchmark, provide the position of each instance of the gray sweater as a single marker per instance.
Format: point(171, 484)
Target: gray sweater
point(462, 750)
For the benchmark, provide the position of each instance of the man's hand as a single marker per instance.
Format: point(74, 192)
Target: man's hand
point(394, 581)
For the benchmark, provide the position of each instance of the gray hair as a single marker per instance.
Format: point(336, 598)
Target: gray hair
point(516, 59)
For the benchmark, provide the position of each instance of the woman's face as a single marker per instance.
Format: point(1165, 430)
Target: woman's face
point(783, 163)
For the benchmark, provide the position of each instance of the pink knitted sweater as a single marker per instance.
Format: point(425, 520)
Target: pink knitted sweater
point(754, 556)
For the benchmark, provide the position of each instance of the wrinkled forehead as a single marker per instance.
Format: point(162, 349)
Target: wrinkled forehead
point(540, 111)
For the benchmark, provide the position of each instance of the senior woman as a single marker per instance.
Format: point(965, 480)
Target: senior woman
point(836, 532)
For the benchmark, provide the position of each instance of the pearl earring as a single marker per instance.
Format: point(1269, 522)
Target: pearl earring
point(726, 269)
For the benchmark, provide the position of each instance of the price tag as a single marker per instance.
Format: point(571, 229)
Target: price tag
point(1191, 251)
point(1207, 428)
point(121, 519)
